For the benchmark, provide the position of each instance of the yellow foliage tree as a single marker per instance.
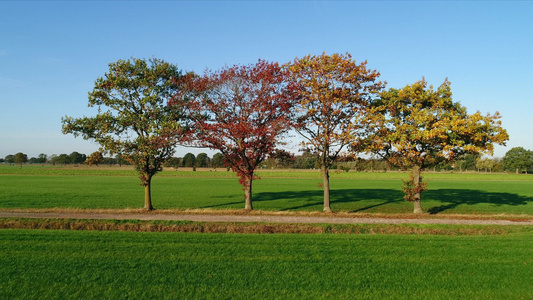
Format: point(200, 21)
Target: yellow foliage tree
point(420, 127)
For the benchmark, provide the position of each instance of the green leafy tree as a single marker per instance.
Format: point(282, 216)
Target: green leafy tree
point(202, 160)
point(77, 158)
point(486, 164)
point(10, 159)
point(189, 160)
point(20, 158)
point(518, 159)
point(306, 160)
point(218, 160)
point(61, 159)
point(133, 116)
point(52, 159)
point(110, 161)
point(421, 127)
point(467, 162)
point(121, 160)
point(280, 159)
point(42, 158)
point(174, 162)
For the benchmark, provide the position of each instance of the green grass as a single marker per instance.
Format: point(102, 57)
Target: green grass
point(286, 194)
point(141, 265)
point(222, 173)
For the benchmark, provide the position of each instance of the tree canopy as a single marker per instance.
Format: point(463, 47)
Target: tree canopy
point(242, 112)
point(189, 160)
point(9, 158)
point(148, 107)
point(518, 159)
point(20, 158)
point(421, 127)
point(77, 158)
point(95, 158)
point(202, 160)
point(133, 117)
point(334, 94)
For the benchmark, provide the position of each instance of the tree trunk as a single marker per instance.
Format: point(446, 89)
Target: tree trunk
point(248, 193)
point(325, 185)
point(148, 194)
point(416, 196)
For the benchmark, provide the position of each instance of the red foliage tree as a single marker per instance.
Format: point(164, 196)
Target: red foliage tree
point(242, 111)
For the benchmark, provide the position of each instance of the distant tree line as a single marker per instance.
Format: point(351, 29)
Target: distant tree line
point(516, 160)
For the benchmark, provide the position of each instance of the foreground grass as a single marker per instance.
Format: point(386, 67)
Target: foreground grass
point(40, 264)
point(363, 195)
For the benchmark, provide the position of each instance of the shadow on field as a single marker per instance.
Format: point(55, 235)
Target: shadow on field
point(456, 197)
point(378, 197)
point(374, 198)
point(223, 204)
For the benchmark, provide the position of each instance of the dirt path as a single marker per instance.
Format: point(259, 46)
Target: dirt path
point(255, 218)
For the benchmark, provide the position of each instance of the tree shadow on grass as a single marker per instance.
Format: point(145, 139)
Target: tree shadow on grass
point(374, 198)
point(378, 197)
point(452, 198)
point(226, 197)
point(228, 204)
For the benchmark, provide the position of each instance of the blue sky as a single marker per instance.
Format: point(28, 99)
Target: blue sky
point(52, 52)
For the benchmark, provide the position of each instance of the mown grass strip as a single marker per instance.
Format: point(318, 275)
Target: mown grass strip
point(57, 264)
point(263, 228)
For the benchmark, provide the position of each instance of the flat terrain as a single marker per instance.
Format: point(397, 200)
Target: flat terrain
point(58, 264)
point(216, 217)
point(37, 187)
point(475, 242)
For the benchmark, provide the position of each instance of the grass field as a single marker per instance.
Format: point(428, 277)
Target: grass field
point(51, 187)
point(403, 262)
point(222, 173)
point(54, 264)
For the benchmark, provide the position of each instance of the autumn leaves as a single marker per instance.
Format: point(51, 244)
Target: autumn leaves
point(334, 103)
point(334, 94)
point(420, 127)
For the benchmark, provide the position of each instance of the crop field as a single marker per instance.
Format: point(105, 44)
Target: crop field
point(92, 188)
point(57, 264)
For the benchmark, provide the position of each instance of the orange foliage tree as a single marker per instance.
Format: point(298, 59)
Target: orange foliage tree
point(331, 113)
point(420, 127)
point(94, 159)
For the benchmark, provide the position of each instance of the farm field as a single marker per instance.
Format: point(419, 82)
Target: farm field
point(107, 188)
point(57, 264)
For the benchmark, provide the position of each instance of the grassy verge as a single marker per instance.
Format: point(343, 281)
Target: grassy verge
point(45, 264)
point(240, 212)
point(239, 227)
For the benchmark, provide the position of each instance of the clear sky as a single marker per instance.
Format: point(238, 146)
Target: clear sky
point(52, 52)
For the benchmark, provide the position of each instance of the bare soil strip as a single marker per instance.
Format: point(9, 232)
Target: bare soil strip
point(254, 218)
